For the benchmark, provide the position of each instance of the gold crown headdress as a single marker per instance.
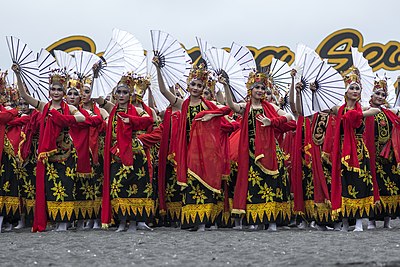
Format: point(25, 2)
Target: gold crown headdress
point(87, 81)
point(59, 76)
point(211, 82)
point(352, 76)
point(127, 81)
point(140, 85)
point(380, 84)
point(259, 78)
point(198, 73)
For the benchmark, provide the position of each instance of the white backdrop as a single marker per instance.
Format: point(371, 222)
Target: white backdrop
point(249, 22)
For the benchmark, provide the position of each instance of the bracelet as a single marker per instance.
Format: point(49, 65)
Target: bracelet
point(176, 100)
point(37, 105)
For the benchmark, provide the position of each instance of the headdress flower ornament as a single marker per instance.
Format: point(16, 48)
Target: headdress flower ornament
point(59, 76)
point(198, 73)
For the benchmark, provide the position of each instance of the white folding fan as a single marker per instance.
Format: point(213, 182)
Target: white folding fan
point(133, 49)
point(221, 61)
point(26, 60)
point(112, 66)
point(366, 75)
point(46, 63)
point(171, 55)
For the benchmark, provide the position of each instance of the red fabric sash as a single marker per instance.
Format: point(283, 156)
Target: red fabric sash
point(14, 131)
point(162, 158)
point(346, 153)
point(5, 117)
point(49, 132)
point(205, 150)
point(265, 152)
point(321, 193)
point(297, 174)
point(393, 143)
point(30, 129)
point(80, 133)
point(327, 147)
point(182, 145)
point(123, 149)
point(94, 133)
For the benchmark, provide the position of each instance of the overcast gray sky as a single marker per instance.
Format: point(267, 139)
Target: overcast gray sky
point(249, 22)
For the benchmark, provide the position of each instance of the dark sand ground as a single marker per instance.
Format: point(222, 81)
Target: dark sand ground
point(224, 247)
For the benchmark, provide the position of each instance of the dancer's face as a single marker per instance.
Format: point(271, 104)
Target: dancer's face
point(23, 106)
point(56, 92)
point(73, 97)
point(122, 94)
point(268, 96)
point(258, 91)
point(378, 97)
point(354, 92)
point(86, 94)
point(196, 88)
point(207, 94)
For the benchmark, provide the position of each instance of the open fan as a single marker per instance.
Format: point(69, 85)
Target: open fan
point(330, 88)
point(280, 73)
point(147, 69)
point(285, 105)
point(65, 61)
point(366, 75)
point(220, 60)
point(244, 57)
point(392, 98)
point(112, 66)
point(26, 60)
point(183, 81)
point(46, 63)
point(310, 69)
point(203, 46)
point(133, 49)
point(301, 51)
point(171, 55)
point(84, 62)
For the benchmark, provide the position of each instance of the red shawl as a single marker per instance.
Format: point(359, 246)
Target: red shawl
point(29, 130)
point(50, 129)
point(327, 147)
point(265, 152)
point(207, 152)
point(303, 128)
point(393, 143)
point(321, 193)
point(182, 146)
point(5, 117)
point(14, 131)
point(94, 133)
point(80, 133)
point(345, 153)
point(163, 154)
point(123, 149)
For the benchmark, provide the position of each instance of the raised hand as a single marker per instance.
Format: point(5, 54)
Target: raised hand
point(263, 119)
point(125, 120)
point(16, 68)
point(293, 73)
point(156, 62)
